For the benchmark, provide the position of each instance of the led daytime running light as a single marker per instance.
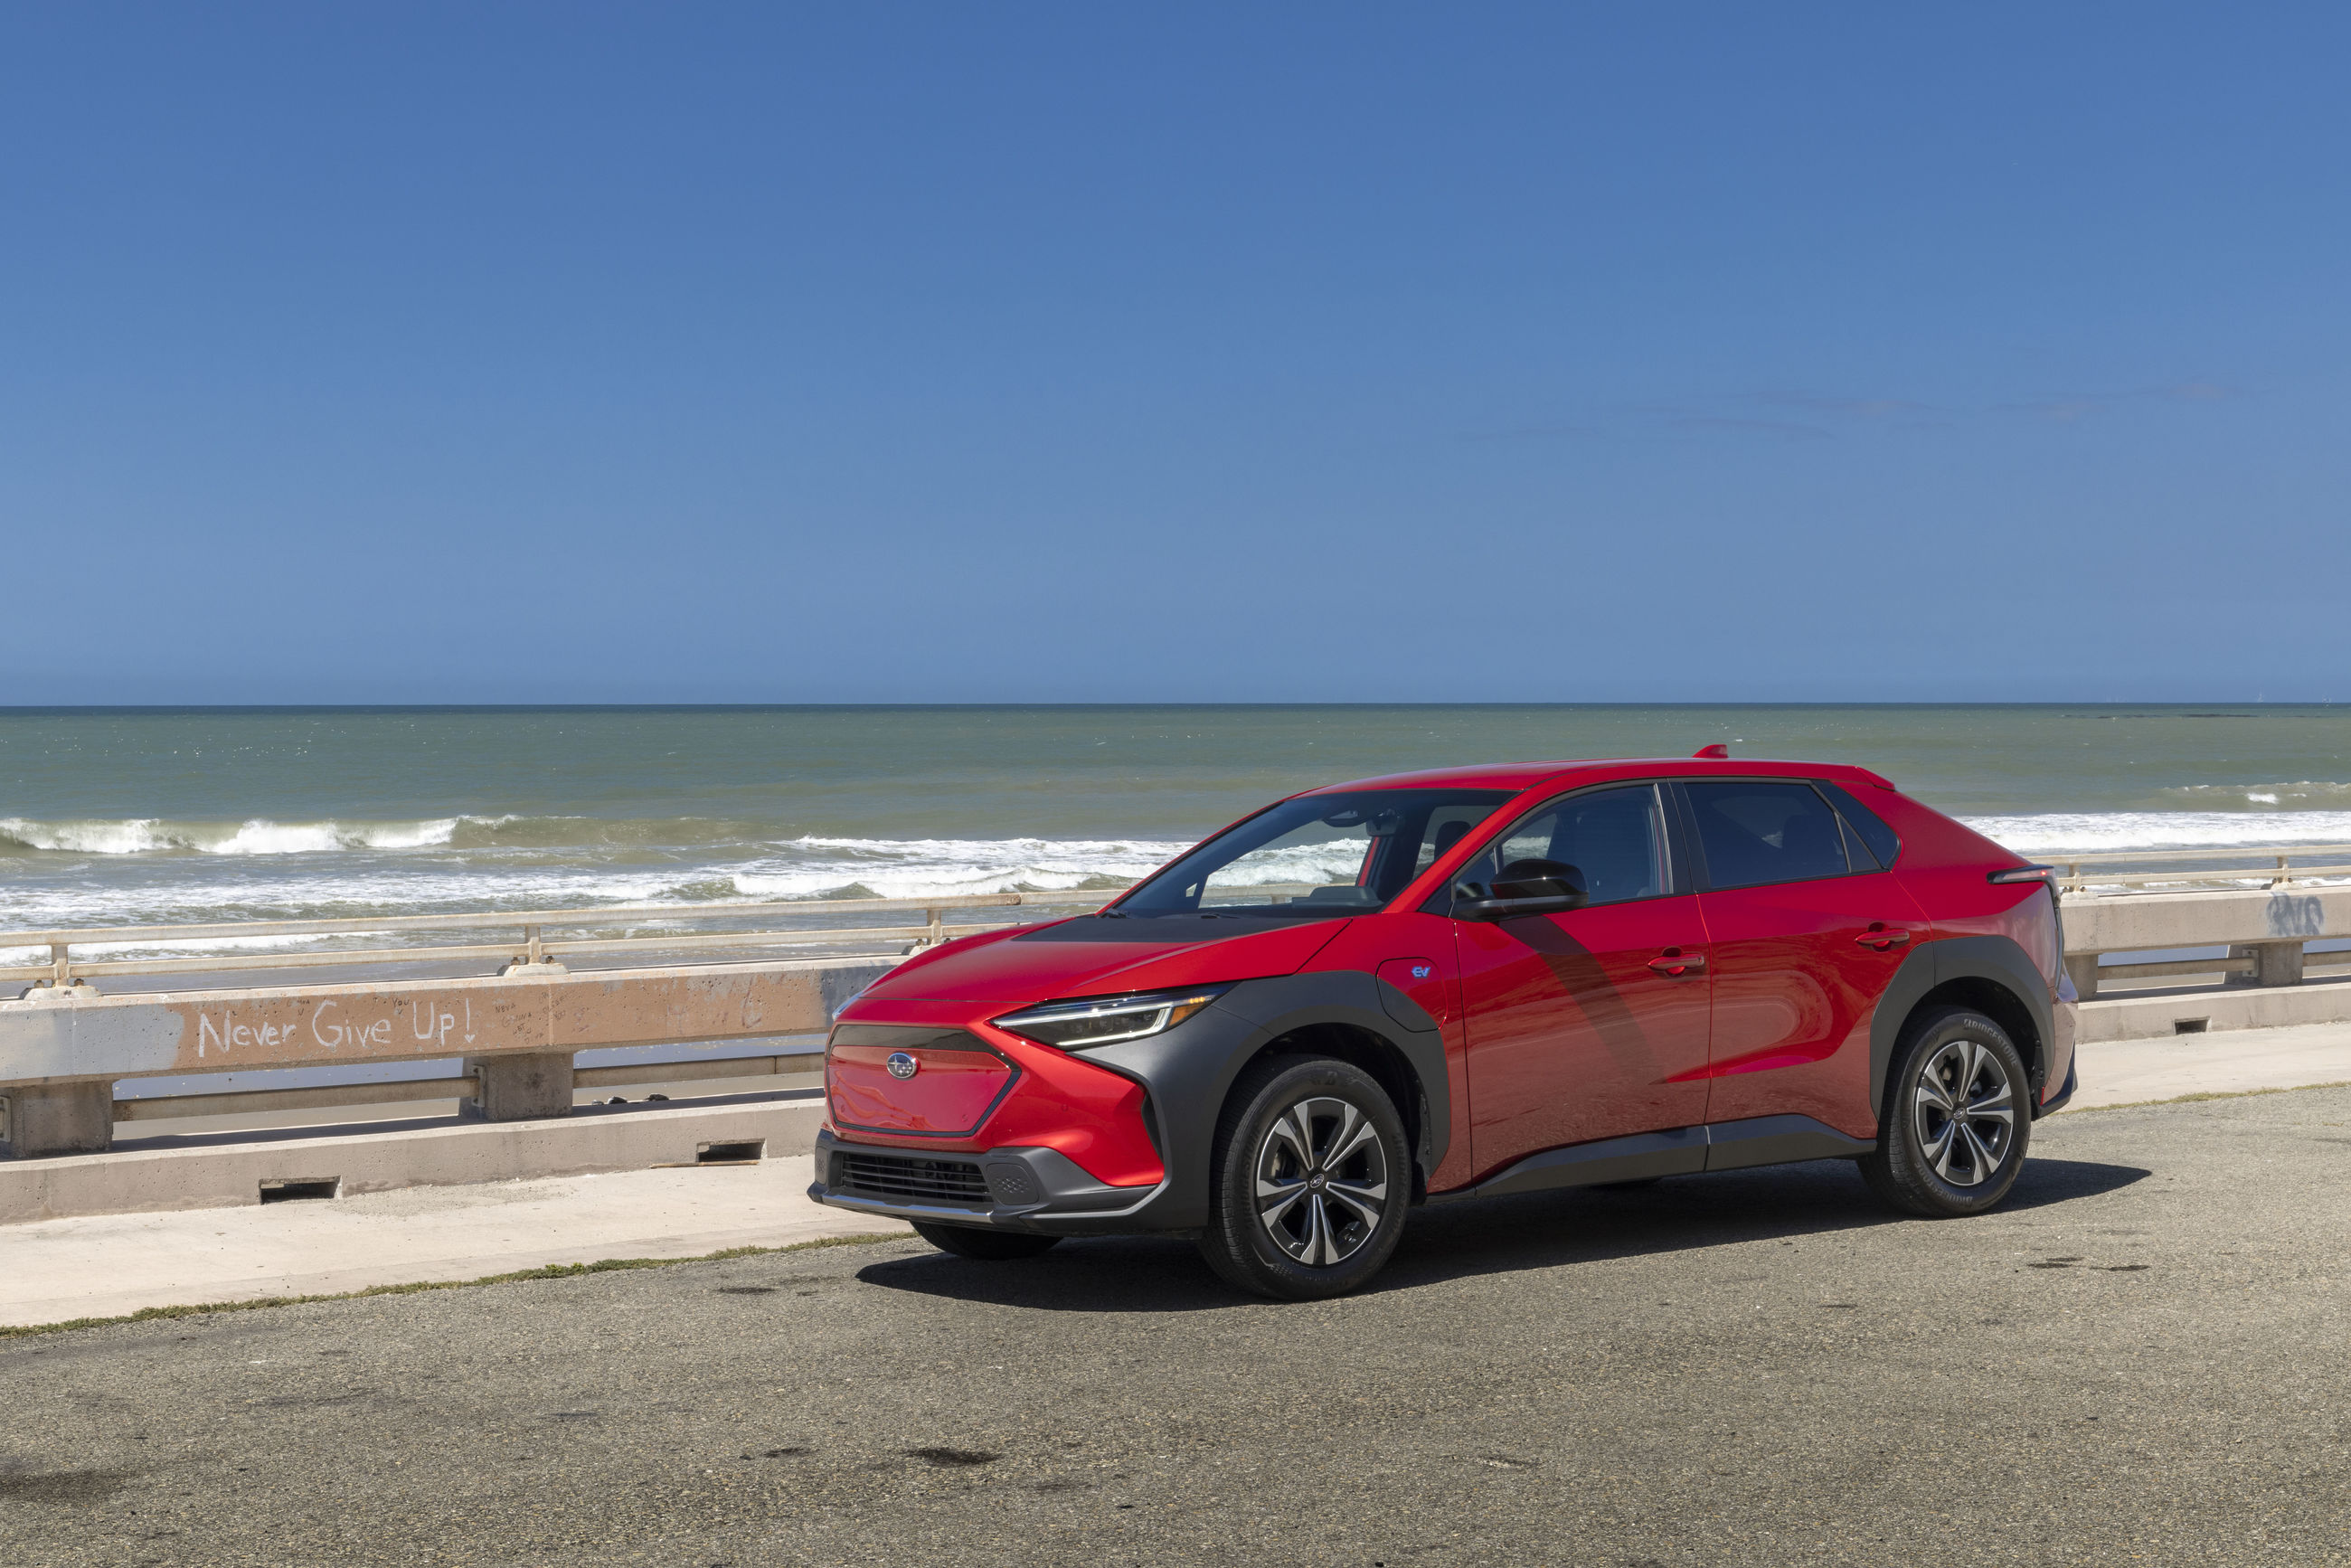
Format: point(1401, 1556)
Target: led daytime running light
point(1106, 1020)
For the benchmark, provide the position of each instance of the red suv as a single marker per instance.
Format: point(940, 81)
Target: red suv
point(1443, 986)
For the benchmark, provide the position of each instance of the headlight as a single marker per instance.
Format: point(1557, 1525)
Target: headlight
point(1107, 1020)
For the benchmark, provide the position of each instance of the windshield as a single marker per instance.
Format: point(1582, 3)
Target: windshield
point(1317, 855)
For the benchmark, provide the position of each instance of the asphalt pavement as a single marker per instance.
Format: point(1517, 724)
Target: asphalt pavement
point(2141, 1358)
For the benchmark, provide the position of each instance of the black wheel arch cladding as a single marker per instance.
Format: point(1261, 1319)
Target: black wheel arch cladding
point(1189, 1070)
point(1990, 974)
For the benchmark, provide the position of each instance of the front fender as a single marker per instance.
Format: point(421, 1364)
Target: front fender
point(1189, 1070)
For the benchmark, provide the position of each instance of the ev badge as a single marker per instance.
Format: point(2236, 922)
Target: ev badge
point(901, 1066)
point(1420, 971)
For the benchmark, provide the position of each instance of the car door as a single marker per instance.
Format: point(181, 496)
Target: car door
point(1804, 931)
point(1590, 1024)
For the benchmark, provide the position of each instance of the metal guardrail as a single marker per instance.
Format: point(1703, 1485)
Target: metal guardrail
point(2138, 869)
point(2133, 926)
point(462, 1086)
point(2231, 965)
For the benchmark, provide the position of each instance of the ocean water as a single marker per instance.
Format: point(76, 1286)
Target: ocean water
point(150, 816)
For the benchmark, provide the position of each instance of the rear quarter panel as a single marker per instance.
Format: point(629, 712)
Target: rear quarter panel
point(1946, 866)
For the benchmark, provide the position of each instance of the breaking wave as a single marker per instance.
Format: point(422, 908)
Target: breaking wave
point(262, 836)
point(813, 867)
point(84, 872)
point(154, 835)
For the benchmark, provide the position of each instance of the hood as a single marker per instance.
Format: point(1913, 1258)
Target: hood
point(1045, 963)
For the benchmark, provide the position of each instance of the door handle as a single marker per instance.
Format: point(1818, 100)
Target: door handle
point(1675, 965)
point(1878, 939)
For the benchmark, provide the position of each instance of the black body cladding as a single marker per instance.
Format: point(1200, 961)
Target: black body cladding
point(1994, 960)
point(1189, 1069)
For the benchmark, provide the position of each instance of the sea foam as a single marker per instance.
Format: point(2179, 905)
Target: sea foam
point(255, 836)
point(814, 867)
point(2105, 832)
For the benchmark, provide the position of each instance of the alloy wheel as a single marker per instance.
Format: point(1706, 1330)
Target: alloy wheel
point(1322, 1181)
point(1966, 1111)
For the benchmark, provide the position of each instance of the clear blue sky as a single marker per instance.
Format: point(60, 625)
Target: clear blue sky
point(1006, 353)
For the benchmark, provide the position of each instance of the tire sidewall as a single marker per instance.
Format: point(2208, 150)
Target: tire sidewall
point(1908, 1160)
point(1234, 1241)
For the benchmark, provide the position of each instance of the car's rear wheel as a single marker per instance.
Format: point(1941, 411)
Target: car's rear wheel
point(1309, 1183)
point(1957, 1116)
point(971, 1241)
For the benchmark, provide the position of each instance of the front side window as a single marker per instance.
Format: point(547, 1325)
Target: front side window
point(1752, 834)
point(1612, 838)
point(1317, 855)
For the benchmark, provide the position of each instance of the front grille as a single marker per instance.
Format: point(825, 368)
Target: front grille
point(918, 1180)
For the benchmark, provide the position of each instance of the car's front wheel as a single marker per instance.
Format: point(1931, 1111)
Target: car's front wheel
point(1310, 1180)
point(971, 1241)
point(1957, 1116)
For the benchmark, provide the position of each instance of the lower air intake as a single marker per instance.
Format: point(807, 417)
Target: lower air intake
point(919, 1181)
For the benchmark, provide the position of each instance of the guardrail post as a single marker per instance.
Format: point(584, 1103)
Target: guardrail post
point(2275, 963)
point(2084, 967)
point(45, 1119)
point(523, 1087)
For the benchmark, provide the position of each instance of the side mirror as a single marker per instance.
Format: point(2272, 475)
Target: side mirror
point(1523, 887)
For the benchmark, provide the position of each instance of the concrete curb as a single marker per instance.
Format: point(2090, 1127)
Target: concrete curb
point(229, 1175)
point(2223, 1011)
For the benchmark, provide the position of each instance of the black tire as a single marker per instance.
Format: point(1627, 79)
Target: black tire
point(1929, 1161)
point(971, 1241)
point(1330, 1148)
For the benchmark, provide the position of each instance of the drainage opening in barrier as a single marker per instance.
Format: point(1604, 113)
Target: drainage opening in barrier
point(291, 1189)
point(2190, 1026)
point(743, 1153)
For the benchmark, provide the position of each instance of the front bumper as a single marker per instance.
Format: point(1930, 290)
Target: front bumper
point(1037, 1190)
point(2057, 1101)
point(1186, 1074)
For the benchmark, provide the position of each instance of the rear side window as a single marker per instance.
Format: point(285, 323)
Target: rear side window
point(1871, 827)
point(1754, 833)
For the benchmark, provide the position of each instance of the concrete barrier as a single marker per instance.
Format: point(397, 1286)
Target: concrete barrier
point(62, 1049)
point(63, 1044)
point(2268, 979)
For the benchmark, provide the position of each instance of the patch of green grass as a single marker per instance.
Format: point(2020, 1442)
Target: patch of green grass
point(2207, 1094)
point(552, 1271)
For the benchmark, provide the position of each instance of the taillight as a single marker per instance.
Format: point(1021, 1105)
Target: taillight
point(2039, 934)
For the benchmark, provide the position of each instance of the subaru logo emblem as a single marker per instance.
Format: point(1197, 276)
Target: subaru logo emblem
point(903, 1066)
